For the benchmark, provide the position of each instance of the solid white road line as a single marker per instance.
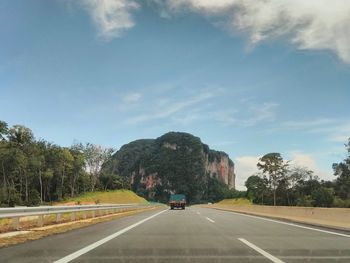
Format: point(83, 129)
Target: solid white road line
point(104, 240)
point(210, 220)
point(261, 251)
point(291, 224)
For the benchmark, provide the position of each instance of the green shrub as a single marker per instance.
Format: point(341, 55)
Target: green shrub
point(33, 198)
point(338, 202)
point(305, 201)
point(323, 197)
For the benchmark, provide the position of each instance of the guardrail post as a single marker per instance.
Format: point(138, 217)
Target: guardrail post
point(15, 223)
point(58, 217)
point(84, 215)
point(40, 220)
point(72, 216)
point(93, 213)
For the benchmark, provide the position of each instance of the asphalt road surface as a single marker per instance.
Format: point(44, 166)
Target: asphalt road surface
point(191, 235)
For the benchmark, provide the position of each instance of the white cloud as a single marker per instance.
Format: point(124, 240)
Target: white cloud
point(341, 133)
point(308, 161)
point(111, 17)
point(310, 24)
point(261, 113)
point(310, 124)
point(303, 160)
point(132, 97)
point(337, 130)
point(245, 166)
point(166, 108)
point(223, 143)
point(249, 115)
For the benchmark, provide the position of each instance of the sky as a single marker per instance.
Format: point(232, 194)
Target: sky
point(248, 77)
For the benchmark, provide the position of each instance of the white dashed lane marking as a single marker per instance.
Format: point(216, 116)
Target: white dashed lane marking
point(210, 220)
point(261, 251)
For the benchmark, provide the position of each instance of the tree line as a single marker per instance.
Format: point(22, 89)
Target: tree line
point(279, 183)
point(37, 171)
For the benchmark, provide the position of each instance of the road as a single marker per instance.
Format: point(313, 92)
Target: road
point(193, 235)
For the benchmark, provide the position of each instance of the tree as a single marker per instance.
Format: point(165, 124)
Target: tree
point(216, 190)
point(20, 135)
point(342, 171)
point(37, 161)
point(3, 130)
point(294, 182)
point(256, 188)
point(111, 181)
point(274, 166)
point(323, 197)
point(67, 164)
point(95, 157)
point(77, 168)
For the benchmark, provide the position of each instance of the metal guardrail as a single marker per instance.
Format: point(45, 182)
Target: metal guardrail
point(7, 212)
point(17, 212)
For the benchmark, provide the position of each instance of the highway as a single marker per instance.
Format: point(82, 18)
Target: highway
point(193, 235)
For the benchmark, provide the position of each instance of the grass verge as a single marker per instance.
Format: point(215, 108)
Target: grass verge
point(235, 201)
point(109, 197)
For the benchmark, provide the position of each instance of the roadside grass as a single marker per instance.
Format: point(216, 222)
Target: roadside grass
point(235, 201)
point(26, 223)
point(109, 197)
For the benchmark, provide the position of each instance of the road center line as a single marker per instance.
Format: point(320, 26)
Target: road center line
point(210, 220)
point(291, 224)
point(261, 251)
point(84, 250)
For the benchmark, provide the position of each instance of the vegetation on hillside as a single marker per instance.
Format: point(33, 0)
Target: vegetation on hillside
point(178, 171)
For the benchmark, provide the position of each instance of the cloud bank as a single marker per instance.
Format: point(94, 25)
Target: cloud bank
point(309, 25)
point(111, 17)
point(337, 130)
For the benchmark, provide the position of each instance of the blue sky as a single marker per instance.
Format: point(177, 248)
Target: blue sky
point(246, 80)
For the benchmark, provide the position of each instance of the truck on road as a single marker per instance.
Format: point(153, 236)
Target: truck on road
point(177, 201)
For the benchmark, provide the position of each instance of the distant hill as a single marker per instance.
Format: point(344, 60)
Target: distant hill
point(176, 162)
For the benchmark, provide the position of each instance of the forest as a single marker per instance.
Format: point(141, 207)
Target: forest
point(37, 171)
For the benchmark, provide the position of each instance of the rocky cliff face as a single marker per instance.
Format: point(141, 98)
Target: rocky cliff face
point(173, 163)
point(223, 169)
